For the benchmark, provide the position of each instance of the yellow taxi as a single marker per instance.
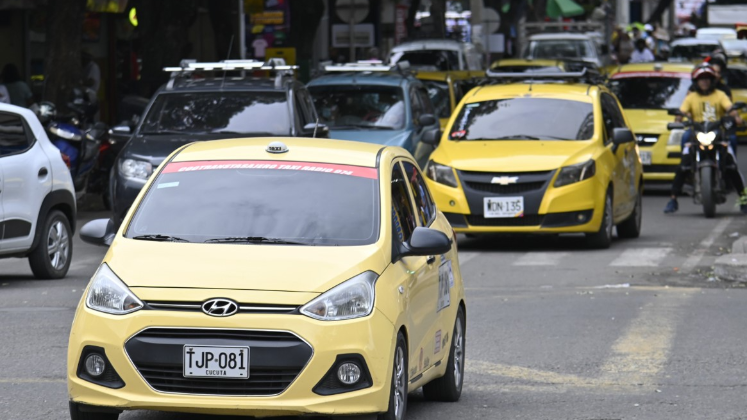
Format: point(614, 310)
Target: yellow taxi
point(446, 89)
point(736, 79)
point(646, 91)
point(270, 277)
point(520, 65)
point(550, 157)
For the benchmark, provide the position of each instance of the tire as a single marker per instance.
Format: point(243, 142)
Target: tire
point(448, 388)
point(602, 239)
point(77, 414)
point(52, 255)
point(631, 227)
point(707, 191)
point(398, 392)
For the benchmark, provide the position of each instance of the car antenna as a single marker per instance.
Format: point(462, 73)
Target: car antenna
point(316, 126)
point(230, 46)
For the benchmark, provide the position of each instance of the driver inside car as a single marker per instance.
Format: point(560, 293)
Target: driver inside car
point(704, 104)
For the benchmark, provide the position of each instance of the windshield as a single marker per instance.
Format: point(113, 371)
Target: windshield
point(360, 106)
point(439, 94)
point(438, 60)
point(690, 52)
point(736, 78)
point(650, 92)
point(258, 113)
point(560, 48)
point(524, 119)
point(310, 203)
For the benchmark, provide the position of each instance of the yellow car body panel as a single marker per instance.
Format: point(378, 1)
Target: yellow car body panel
point(652, 123)
point(740, 95)
point(621, 168)
point(523, 62)
point(405, 299)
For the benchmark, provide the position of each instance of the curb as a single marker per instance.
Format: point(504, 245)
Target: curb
point(733, 267)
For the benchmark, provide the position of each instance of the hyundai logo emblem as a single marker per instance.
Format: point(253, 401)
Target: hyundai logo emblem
point(220, 307)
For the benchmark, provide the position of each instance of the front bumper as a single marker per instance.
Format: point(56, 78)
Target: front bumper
point(370, 337)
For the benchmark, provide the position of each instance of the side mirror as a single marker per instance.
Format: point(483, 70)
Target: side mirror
point(431, 137)
point(427, 119)
point(98, 232)
point(622, 136)
point(426, 241)
point(675, 126)
point(674, 111)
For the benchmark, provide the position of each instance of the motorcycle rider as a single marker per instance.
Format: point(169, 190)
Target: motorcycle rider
point(704, 104)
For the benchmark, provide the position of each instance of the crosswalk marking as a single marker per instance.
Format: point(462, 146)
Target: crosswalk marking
point(541, 258)
point(641, 257)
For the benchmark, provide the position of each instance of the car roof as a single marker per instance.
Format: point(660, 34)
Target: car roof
point(230, 83)
point(655, 67)
point(299, 149)
point(380, 78)
point(694, 41)
point(429, 44)
point(568, 91)
point(559, 36)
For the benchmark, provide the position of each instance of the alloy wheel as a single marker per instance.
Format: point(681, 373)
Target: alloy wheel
point(400, 391)
point(58, 245)
point(458, 354)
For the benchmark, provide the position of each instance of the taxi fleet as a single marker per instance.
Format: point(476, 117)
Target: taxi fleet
point(311, 277)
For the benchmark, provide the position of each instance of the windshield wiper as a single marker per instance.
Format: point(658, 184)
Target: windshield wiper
point(159, 238)
point(247, 134)
point(254, 239)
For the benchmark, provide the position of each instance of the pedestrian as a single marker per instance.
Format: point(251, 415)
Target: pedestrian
point(625, 49)
point(18, 91)
point(91, 71)
point(641, 53)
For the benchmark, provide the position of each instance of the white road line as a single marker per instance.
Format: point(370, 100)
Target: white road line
point(465, 257)
point(541, 258)
point(641, 257)
point(694, 258)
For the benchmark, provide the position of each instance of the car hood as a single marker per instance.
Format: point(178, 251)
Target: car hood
point(239, 266)
point(512, 156)
point(648, 121)
point(384, 137)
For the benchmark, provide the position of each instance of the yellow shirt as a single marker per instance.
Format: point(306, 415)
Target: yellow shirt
point(706, 108)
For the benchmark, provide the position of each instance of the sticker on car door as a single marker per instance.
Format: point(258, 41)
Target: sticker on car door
point(445, 280)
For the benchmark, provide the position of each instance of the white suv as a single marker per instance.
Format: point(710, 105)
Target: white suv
point(37, 198)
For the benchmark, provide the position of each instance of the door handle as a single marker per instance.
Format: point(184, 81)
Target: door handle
point(431, 259)
point(43, 172)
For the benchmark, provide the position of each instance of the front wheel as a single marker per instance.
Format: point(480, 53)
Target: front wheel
point(631, 227)
point(602, 239)
point(398, 391)
point(708, 191)
point(448, 388)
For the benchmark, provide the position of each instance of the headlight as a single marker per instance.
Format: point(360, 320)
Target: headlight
point(352, 299)
point(675, 137)
point(706, 139)
point(575, 173)
point(108, 294)
point(137, 169)
point(441, 173)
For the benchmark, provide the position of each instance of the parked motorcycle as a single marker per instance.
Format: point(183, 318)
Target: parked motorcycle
point(709, 160)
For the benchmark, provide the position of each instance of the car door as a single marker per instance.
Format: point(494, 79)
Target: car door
point(26, 180)
point(422, 150)
point(622, 155)
point(421, 294)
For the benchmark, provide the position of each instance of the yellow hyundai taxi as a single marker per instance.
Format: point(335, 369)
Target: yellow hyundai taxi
point(646, 91)
point(271, 277)
point(530, 157)
point(446, 89)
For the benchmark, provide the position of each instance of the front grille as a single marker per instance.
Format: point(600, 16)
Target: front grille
point(510, 174)
point(529, 220)
point(505, 189)
point(244, 308)
point(260, 381)
point(276, 359)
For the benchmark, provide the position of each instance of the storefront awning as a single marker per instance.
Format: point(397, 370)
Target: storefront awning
point(563, 8)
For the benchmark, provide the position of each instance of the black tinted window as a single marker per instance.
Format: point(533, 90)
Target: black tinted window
point(425, 207)
point(524, 119)
point(356, 107)
point(13, 137)
point(255, 113)
point(403, 218)
point(736, 78)
point(439, 95)
point(311, 203)
point(441, 60)
point(650, 92)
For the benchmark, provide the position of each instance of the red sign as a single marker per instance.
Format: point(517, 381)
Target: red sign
point(214, 165)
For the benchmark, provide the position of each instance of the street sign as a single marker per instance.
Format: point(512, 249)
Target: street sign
point(352, 10)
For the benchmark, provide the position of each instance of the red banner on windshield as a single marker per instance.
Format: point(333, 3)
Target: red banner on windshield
point(634, 74)
point(216, 165)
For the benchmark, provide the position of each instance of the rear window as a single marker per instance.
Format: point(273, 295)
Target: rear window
point(561, 48)
point(690, 52)
point(646, 92)
point(736, 78)
point(524, 119)
point(439, 60)
point(309, 203)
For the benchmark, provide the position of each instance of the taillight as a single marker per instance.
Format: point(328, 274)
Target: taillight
point(66, 159)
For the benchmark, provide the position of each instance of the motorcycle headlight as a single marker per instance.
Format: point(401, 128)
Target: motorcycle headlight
point(675, 137)
point(706, 139)
point(441, 173)
point(576, 173)
point(108, 294)
point(64, 134)
point(137, 169)
point(352, 299)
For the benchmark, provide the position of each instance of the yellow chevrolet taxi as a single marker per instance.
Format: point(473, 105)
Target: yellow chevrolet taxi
point(446, 89)
point(271, 277)
point(552, 154)
point(646, 91)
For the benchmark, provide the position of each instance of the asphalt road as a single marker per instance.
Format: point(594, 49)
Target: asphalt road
point(555, 331)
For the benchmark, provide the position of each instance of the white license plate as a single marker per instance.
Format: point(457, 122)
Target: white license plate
point(216, 362)
point(503, 207)
point(646, 158)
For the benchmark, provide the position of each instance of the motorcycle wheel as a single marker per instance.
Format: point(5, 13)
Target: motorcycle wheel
point(708, 191)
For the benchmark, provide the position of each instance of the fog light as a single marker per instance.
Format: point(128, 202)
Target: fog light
point(581, 217)
point(348, 373)
point(95, 365)
point(452, 203)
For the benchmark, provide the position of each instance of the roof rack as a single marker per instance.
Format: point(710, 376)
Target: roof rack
point(586, 75)
point(188, 67)
point(368, 66)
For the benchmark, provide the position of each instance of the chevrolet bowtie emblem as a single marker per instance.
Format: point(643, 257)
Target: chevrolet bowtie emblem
point(504, 180)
